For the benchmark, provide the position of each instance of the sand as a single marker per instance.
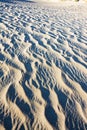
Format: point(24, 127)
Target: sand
point(43, 66)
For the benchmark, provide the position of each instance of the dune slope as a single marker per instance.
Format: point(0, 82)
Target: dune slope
point(43, 66)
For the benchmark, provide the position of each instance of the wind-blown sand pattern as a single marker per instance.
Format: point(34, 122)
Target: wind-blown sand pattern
point(43, 66)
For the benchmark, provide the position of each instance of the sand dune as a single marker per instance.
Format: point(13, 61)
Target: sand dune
point(43, 66)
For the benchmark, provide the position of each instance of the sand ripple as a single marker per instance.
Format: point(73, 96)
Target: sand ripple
point(43, 66)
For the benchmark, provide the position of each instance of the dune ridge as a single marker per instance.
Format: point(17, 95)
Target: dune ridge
point(43, 66)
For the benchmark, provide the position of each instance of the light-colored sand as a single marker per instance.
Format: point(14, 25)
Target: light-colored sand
point(43, 66)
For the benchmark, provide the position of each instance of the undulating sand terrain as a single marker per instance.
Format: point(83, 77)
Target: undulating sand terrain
point(43, 66)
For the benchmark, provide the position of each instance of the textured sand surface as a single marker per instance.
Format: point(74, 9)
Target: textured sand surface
point(43, 66)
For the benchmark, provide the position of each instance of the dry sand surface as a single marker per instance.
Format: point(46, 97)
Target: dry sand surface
point(43, 66)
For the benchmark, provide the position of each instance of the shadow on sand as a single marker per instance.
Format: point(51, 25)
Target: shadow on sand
point(14, 1)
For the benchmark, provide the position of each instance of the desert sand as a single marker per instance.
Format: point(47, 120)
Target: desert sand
point(43, 66)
